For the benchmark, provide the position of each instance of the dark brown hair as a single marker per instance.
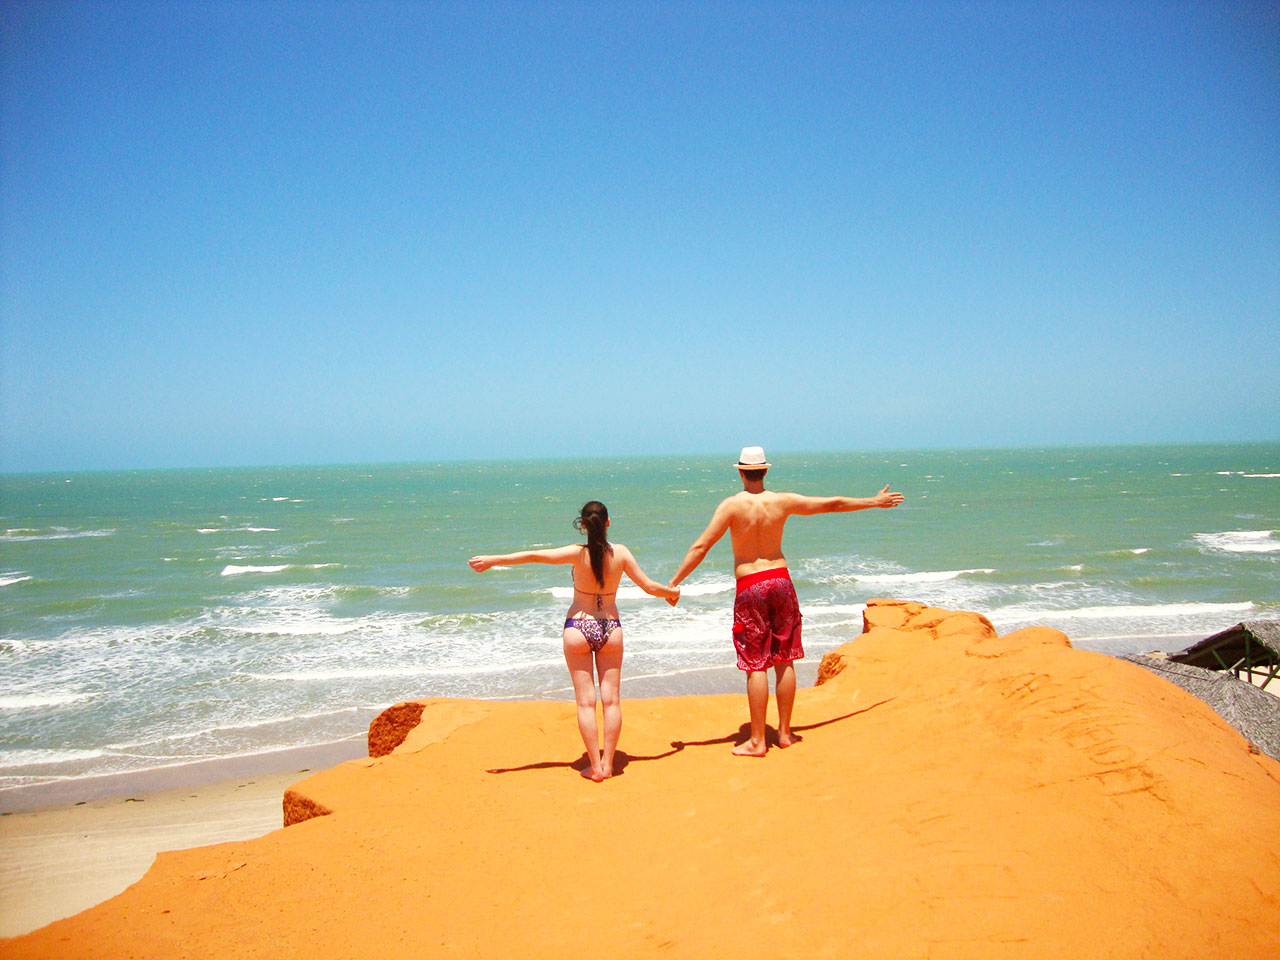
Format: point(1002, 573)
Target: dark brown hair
point(751, 476)
point(592, 521)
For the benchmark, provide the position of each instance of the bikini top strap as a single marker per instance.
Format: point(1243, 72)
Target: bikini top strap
point(573, 580)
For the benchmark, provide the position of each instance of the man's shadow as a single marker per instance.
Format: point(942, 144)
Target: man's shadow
point(622, 759)
point(743, 733)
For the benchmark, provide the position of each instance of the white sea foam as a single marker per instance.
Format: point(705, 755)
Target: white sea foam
point(833, 609)
point(237, 529)
point(377, 629)
point(1268, 476)
point(672, 631)
point(7, 579)
point(74, 644)
point(1017, 614)
point(233, 728)
point(23, 534)
point(303, 624)
point(33, 758)
point(26, 758)
point(1138, 551)
point(29, 701)
point(927, 576)
point(309, 595)
point(705, 589)
point(234, 570)
point(672, 673)
point(1240, 541)
point(718, 650)
point(1170, 640)
point(414, 670)
point(635, 593)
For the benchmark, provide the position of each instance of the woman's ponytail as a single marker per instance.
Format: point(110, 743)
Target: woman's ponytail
point(593, 521)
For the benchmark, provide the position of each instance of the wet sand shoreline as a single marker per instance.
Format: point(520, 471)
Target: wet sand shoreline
point(57, 861)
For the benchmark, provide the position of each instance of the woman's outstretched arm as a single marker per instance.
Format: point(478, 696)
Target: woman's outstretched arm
point(567, 554)
point(632, 569)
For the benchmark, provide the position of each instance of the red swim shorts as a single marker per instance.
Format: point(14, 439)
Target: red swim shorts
point(766, 620)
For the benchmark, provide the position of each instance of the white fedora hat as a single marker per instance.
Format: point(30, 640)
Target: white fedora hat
point(752, 458)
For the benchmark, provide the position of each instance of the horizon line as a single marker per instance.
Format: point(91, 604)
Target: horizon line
point(595, 458)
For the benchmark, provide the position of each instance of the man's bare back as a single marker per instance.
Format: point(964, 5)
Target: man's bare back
point(756, 525)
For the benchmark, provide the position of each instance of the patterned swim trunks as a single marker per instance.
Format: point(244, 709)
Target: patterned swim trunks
point(766, 620)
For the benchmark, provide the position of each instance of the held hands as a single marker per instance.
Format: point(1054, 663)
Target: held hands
point(482, 563)
point(676, 599)
point(885, 499)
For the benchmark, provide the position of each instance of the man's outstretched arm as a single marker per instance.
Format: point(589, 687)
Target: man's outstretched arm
point(810, 505)
point(710, 536)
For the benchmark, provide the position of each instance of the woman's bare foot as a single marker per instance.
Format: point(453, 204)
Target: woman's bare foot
point(751, 748)
point(787, 739)
point(592, 774)
point(607, 769)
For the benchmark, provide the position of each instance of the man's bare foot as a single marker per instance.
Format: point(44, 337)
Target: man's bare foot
point(787, 739)
point(607, 770)
point(591, 773)
point(751, 748)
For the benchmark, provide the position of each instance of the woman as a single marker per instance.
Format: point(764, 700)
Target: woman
point(593, 628)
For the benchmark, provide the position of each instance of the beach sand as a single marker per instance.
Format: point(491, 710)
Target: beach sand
point(69, 845)
point(59, 861)
point(957, 795)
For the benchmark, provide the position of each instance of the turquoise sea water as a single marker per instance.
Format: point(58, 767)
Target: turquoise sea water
point(150, 618)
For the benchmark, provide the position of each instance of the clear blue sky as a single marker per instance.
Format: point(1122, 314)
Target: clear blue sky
point(281, 232)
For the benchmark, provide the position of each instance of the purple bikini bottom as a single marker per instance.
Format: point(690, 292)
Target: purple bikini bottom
point(594, 629)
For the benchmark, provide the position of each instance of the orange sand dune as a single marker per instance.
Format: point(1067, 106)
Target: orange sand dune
point(957, 794)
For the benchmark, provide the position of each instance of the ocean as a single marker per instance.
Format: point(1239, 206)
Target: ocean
point(153, 618)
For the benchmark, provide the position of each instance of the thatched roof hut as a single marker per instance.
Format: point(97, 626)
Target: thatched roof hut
point(1250, 650)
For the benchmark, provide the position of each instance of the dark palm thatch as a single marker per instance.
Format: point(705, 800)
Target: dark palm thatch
point(1253, 712)
point(1251, 647)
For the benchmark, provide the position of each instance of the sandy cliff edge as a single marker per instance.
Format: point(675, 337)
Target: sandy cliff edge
point(957, 794)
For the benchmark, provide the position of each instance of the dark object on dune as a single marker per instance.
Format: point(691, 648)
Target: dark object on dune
point(1253, 712)
point(1251, 648)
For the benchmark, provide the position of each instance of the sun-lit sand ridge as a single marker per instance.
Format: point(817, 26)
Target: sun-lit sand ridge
point(957, 794)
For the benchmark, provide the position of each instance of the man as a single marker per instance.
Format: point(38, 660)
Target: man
point(766, 615)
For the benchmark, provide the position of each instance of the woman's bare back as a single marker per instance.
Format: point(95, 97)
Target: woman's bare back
point(591, 598)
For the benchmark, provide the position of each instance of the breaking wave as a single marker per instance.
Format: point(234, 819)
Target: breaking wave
point(1239, 541)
